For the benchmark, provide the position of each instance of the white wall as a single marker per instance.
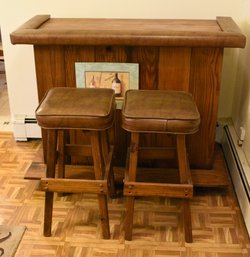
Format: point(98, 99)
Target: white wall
point(241, 101)
point(19, 58)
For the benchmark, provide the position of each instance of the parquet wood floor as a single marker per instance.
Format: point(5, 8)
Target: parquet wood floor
point(218, 227)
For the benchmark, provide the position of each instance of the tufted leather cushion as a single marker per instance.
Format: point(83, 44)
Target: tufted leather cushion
point(160, 111)
point(83, 108)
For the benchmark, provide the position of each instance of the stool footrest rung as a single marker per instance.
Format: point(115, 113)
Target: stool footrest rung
point(158, 189)
point(78, 150)
point(156, 153)
point(62, 185)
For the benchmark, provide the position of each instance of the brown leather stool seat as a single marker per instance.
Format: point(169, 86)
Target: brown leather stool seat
point(157, 111)
point(160, 111)
point(77, 108)
point(80, 109)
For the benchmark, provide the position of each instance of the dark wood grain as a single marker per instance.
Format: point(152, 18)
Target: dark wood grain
point(50, 68)
point(148, 59)
point(205, 78)
point(174, 68)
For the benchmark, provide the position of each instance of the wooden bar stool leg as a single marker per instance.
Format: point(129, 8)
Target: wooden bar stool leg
point(61, 154)
point(99, 173)
point(108, 162)
point(130, 201)
point(130, 204)
point(187, 221)
point(50, 173)
point(184, 177)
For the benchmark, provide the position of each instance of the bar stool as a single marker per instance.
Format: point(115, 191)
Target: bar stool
point(83, 109)
point(157, 111)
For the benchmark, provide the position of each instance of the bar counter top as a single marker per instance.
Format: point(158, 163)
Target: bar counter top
point(44, 30)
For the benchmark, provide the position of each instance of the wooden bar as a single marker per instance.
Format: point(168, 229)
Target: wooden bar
point(158, 189)
point(63, 185)
point(173, 54)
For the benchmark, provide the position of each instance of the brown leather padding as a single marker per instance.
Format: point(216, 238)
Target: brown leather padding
point(83, 108)
point(160, 111)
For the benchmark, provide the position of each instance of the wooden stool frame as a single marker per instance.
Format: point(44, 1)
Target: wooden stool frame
point(183, 190)
point(103, 184)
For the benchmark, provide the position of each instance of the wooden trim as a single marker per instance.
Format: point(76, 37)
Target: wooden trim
point(35, 22)
point(133, 32)
point(228, 25)
point(73, 185)
point(217, 177)
point(158, 189)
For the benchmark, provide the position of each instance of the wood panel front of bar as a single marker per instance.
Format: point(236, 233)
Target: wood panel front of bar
point(172, 55)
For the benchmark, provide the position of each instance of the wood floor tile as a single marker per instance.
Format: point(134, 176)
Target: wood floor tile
point(218, 228)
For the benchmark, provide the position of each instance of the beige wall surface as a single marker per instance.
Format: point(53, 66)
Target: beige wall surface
point(241, 90)
point(20, 69)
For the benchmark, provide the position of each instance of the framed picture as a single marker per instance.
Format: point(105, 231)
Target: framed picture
point(118, 76)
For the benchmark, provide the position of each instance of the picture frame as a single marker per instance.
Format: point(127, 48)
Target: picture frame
point(119, 76)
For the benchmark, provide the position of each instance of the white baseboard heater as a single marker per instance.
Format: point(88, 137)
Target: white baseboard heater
point(239, 170)
point(25, 127)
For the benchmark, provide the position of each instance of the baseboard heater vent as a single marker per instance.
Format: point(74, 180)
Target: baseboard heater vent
point(30, 120)
point(25, 127)
point(239, 170)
